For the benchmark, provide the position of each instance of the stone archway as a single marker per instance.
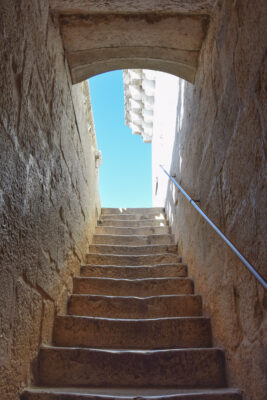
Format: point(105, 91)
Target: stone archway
point(160, 35)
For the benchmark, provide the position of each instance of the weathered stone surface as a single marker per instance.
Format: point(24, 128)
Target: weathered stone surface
point(133, 217)
point(147, 259)
point(47, 194)
point(125, 223)
point(132, 287)
point(133, 239)
point(76, 331)
point(48, 184)
point(163, 368)
point(220, 157)
point(135, 250)
point(24, 311)
point(47, 323)
point(135, 307)
point(130, 394)
point(173, 61)
point(105, 230)
point(156, 271)
point(122, 211)
point(170, 42)
point(112, 338)
point(130, 6)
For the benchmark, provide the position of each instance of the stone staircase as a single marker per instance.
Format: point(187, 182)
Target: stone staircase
point(134, 327)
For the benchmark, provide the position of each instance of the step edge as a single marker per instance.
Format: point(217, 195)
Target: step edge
point(133, 246)
point(134, 236)
point(132, 255)
point(137, 297)
point(129, 226)
point(133, 280)
point(59, 390)
point(178, 264)
point(134, 320)
point(189, 392)
point(145, 352)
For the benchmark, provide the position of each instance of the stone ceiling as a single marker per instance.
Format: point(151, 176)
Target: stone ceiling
point(164, 35)
point(132, 6)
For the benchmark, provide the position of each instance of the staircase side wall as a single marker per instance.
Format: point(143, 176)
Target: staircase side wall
point(48, 185)
point(219, 157)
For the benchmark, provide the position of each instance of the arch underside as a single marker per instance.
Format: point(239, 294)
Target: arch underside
point(127, 7)
point(89, 66)
point(97, 44)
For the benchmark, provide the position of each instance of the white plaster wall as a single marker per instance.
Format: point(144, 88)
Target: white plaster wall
point(160, 98)
point(164, 127)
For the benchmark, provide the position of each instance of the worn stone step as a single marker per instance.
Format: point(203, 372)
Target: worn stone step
point(135, 307)
point(134, 260)
point(62, 366)
point(132, 287)
point(132, 224)
point(133, 239)
point(133, 217)
point(77, 393)
point(130, 272)
point(113, 230)
point(121, 211)
point(160, 333)
point(135, 250)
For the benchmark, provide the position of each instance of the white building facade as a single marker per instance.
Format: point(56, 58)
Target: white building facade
point(151, 101)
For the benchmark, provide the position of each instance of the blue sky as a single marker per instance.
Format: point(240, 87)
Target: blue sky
point(125, 173)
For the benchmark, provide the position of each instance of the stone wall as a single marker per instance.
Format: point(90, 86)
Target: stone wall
point(100, 36)
point(220, 157)
point(48, 185)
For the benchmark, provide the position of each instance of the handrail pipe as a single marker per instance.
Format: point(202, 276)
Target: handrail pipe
point(250, 267)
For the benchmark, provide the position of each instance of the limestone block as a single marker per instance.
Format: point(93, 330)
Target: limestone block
point(171, 43)
point(47, 321)
point(219, 156)
point(132, 287)
point(134, 307)
point(87, 394)
point(159, 271)
point(49, 190)
point(165, 333)
point(85, 367)
point(117, 249)
point(6, 314)
point(134, 239)
point(129, 6)
point(147, 259)
point(136, 231)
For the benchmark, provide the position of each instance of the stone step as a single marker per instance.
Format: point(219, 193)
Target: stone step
point(135, 307)
point(133, 217)
point(133, 239)
point(130, 394)
point(139, 334)
point(130, 272)
point(135, 250)
point(132, 287)
point(62, 366)
point(120, 211)
point(132, 224)
point(134, 260)
point(113, 230)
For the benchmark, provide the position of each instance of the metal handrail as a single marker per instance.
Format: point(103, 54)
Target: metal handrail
point(230, 244)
